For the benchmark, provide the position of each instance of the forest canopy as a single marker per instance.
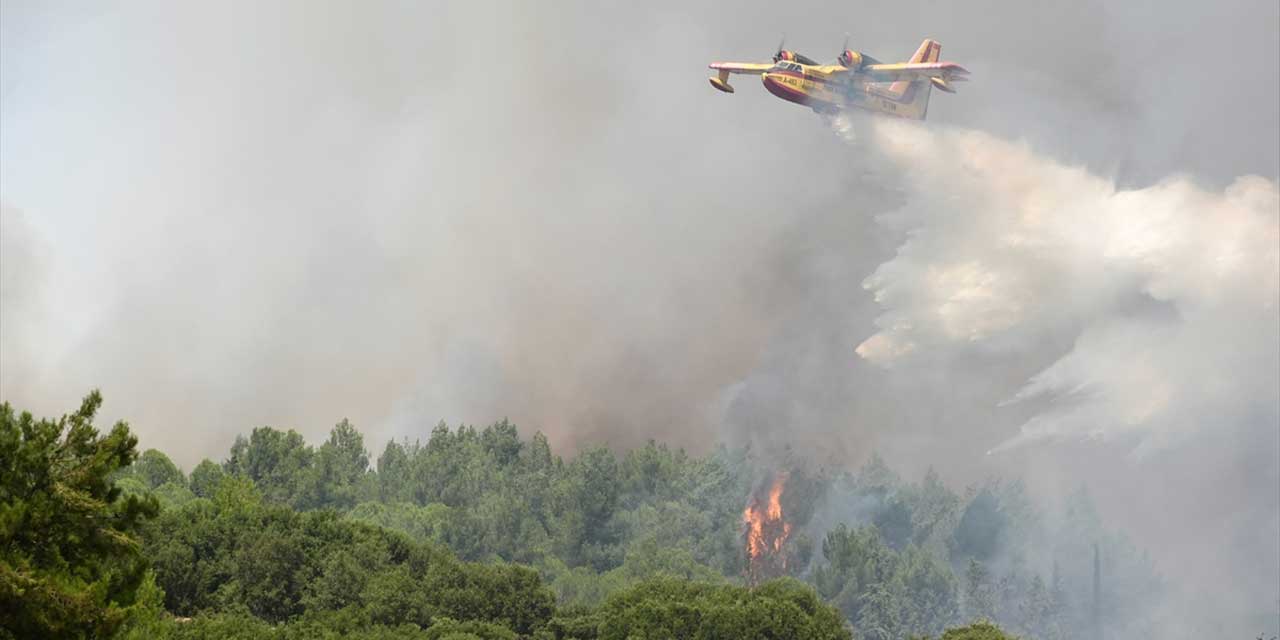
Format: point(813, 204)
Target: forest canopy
point(480, 533)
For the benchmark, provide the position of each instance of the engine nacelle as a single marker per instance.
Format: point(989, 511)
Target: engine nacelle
point(791, 56)
point(850, 59)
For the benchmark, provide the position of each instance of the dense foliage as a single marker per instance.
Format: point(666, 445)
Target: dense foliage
point(976, 631)
point(477, 533)
point(672, 608)
point(895, 558)
point(69, 562)
point(235, 553)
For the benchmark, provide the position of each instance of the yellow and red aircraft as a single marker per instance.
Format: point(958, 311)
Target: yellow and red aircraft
point(853, 80)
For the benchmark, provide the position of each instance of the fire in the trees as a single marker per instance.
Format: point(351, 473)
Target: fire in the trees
point(766, 531)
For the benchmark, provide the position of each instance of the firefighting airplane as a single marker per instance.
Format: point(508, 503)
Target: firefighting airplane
point(854, 80)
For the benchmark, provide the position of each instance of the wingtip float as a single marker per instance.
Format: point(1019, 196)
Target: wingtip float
point(721, 81)
point(854, 80)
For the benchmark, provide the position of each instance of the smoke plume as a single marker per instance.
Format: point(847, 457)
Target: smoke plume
point(1170, 292)
point(243, 214)
point(1166, 297)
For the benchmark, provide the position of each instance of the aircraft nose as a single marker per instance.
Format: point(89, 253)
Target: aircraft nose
point(773, 84)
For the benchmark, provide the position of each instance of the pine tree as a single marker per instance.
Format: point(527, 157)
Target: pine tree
point(1055, 623)
point(69, 556)
point(1033, 611)
point(979, 593)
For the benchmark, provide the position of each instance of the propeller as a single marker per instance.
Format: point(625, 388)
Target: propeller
point(848, 58)
point(781, 47)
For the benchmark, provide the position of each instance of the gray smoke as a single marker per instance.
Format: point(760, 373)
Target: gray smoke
point(1170, 297)
point(243, 214)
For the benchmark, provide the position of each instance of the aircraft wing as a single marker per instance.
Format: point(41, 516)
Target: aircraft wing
point(908, 71)
point(723, 69)
point(741, 67)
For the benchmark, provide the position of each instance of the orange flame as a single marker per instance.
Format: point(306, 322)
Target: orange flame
point(766, 532)
point(775, 498)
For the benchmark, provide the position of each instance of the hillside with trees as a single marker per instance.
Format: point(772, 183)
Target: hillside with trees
point(483, 533)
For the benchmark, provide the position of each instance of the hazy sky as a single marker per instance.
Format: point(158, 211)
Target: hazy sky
point(241, 214)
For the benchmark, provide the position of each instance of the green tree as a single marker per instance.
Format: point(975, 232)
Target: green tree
point(876, 475)
point(979, 592)
point(885, 594)
point(893, 519)
point(671, 608)
point(155, 468)
point(538, 454)
point(278, 462)
point(977, 631)
point(146, 619)
point(930, 600)
point(69, 561)
point(205, 478)
point(979, 531)
point(501, 442)
point(395, 480)
point(289, 541)
point(880, 615)
point(585, 499)
point(857, 563)
point(172, 495)
point(934, 508)
point(450, 629)
point(340, 466)
point(1058, 608)
point(1036, 609)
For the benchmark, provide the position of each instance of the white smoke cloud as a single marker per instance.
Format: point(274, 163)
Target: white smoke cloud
point(1146, 325)
point(1170, 292)
point(291, 214)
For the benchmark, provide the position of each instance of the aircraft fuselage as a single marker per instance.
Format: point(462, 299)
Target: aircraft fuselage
point(831, 93)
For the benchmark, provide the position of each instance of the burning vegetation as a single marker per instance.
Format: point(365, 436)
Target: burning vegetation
point(765, 532)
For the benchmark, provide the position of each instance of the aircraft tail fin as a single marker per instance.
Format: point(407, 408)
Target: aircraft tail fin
point(915, 93)
point(929, 51)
